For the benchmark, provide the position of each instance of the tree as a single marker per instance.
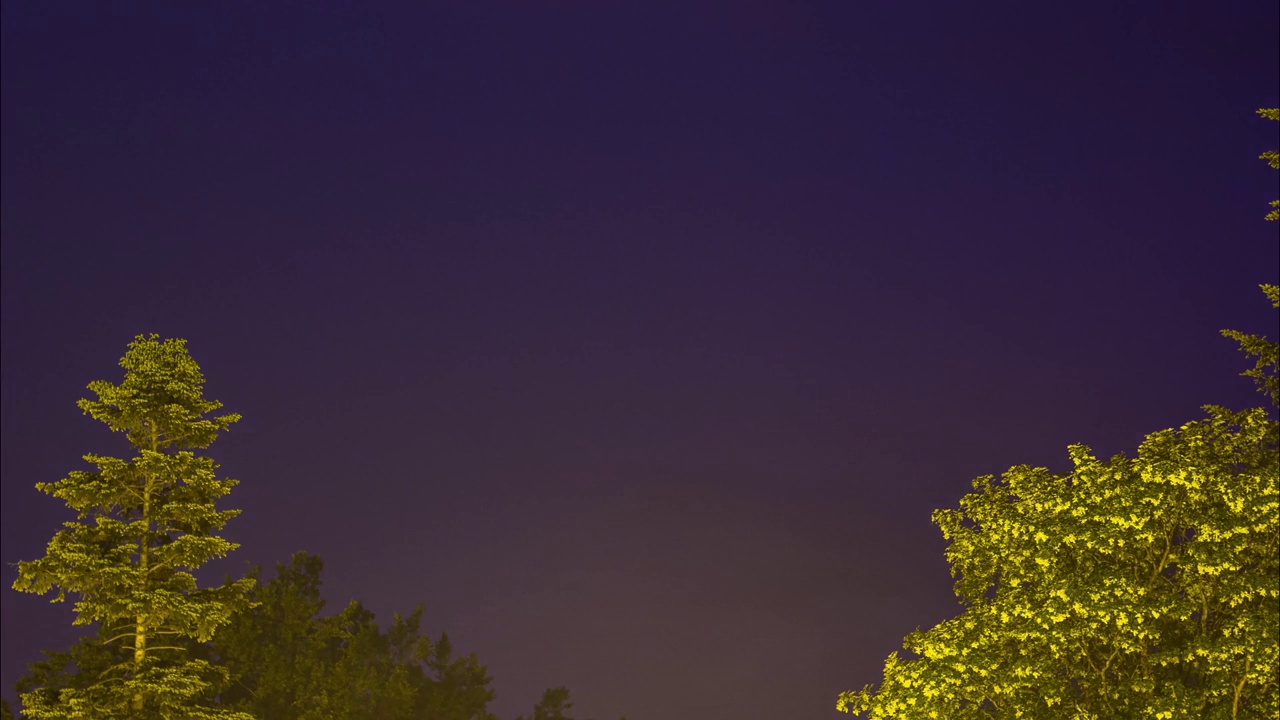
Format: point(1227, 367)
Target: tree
point(1144, 587)
point(1130, 588)
point(289, 663)
point(457, 687)
point(285, 661)
point(553, 705)
point(142, 525)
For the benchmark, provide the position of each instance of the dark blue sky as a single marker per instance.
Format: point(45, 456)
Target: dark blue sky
point(636, 341)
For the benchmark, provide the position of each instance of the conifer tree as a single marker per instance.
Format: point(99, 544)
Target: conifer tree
point(142, 526)
point(554, 705)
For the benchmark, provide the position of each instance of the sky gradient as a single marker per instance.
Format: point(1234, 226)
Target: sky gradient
point(636, 341)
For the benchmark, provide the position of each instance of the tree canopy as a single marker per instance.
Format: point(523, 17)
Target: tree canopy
point(1143, 587)
point(1139, 587)
point(288, 662)
point(285, 659)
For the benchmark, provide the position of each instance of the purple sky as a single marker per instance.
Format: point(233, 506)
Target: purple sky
point(636, 341)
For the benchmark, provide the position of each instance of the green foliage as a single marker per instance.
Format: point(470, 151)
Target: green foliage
point(1130, 588)
point(1267, 352)
point(1144, 587)
point(554, 705)
point(289, 663)
point(141, 526)
point(76, 670)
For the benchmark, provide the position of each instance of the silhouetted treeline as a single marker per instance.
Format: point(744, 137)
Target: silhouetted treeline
point(287, 661)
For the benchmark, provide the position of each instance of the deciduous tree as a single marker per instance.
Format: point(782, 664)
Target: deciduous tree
point(1129, 588)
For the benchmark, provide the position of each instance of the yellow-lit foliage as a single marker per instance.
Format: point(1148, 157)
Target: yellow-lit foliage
point(1128, 588)
point(142, 525)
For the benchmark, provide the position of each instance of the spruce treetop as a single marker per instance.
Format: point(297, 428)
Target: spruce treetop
point(160, 404)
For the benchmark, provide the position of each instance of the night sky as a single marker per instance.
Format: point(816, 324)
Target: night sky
point(636, 341)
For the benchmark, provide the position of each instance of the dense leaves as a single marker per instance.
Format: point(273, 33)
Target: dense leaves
point(1128, 588)
point(1145, 587)
point(287, 662)
point(141, 526)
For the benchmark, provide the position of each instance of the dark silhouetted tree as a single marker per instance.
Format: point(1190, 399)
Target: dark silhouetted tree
point(554, 705)
point(289, 663)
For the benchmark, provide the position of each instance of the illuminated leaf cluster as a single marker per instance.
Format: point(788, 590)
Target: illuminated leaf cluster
point(1144, 587)
point(1131, 588)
